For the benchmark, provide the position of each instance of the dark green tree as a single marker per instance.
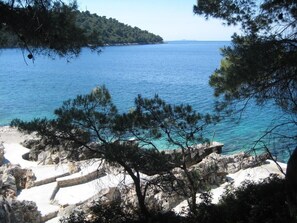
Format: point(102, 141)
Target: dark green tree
point(92, 121)
point(90, 118)
point(182, 127)
point(46, 26)
point(261, 64)
point(99, 29)
point(260, 202)
point(55, 28)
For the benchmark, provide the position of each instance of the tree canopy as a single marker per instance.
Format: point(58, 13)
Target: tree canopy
point(109, 31)
point(92, 122)
point(261, 63)
point(53, 27)
point(41, 26)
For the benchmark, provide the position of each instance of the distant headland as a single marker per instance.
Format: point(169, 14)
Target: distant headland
point(99, 31)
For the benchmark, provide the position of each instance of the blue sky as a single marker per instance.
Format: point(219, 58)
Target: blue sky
point(171, 19)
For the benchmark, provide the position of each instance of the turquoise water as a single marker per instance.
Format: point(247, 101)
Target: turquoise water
point(177, 71)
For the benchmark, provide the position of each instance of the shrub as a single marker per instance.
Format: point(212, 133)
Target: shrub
point(251, 202)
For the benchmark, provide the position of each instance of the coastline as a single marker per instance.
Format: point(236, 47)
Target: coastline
point(132, 44)
point(10, 135)
point(78, 192)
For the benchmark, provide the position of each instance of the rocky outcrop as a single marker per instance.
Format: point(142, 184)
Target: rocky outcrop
point(196, 153)
point(14, 178)
point(164, 200)
point(44, 154)
point(212, 170)
point(13, 211)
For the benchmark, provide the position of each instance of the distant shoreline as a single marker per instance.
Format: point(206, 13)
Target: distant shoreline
point(104, 45)
point(131, 44)
point(137, 44)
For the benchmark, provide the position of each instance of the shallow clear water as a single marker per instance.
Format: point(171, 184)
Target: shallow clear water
point(177, 71)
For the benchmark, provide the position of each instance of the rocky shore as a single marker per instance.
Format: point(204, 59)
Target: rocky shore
point(51, 186)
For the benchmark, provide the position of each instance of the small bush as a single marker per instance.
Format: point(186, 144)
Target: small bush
point(262, 202)
point(111, 212)
point(114, 212)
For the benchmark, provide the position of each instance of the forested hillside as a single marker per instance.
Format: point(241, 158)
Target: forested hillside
point(98, 30)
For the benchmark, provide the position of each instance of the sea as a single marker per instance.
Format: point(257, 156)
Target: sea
point(177, 71)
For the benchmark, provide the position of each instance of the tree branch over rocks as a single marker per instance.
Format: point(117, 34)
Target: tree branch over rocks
point(92, 121)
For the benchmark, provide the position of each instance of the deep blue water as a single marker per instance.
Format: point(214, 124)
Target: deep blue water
point(177, 71)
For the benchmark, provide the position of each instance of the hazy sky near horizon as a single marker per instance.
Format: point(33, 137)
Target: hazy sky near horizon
point(171, 19)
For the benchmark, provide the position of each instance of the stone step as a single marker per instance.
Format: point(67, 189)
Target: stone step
point(73, 181)
point(49, 180)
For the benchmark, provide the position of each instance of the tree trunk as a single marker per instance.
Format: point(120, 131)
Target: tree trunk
point(140, 197)
point(193, 207)
point(291, 184)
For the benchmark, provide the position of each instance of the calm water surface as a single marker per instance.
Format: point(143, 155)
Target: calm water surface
point(177, 71)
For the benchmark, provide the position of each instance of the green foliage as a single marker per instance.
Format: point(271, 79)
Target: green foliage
point(260, 69)
point(46, 26)
point(111, 212)
point(261, 63)
point(52, 27)
point(93, 122)
point(114, 212)
point(100, 29)
point(251, 202)
point(180, 125)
